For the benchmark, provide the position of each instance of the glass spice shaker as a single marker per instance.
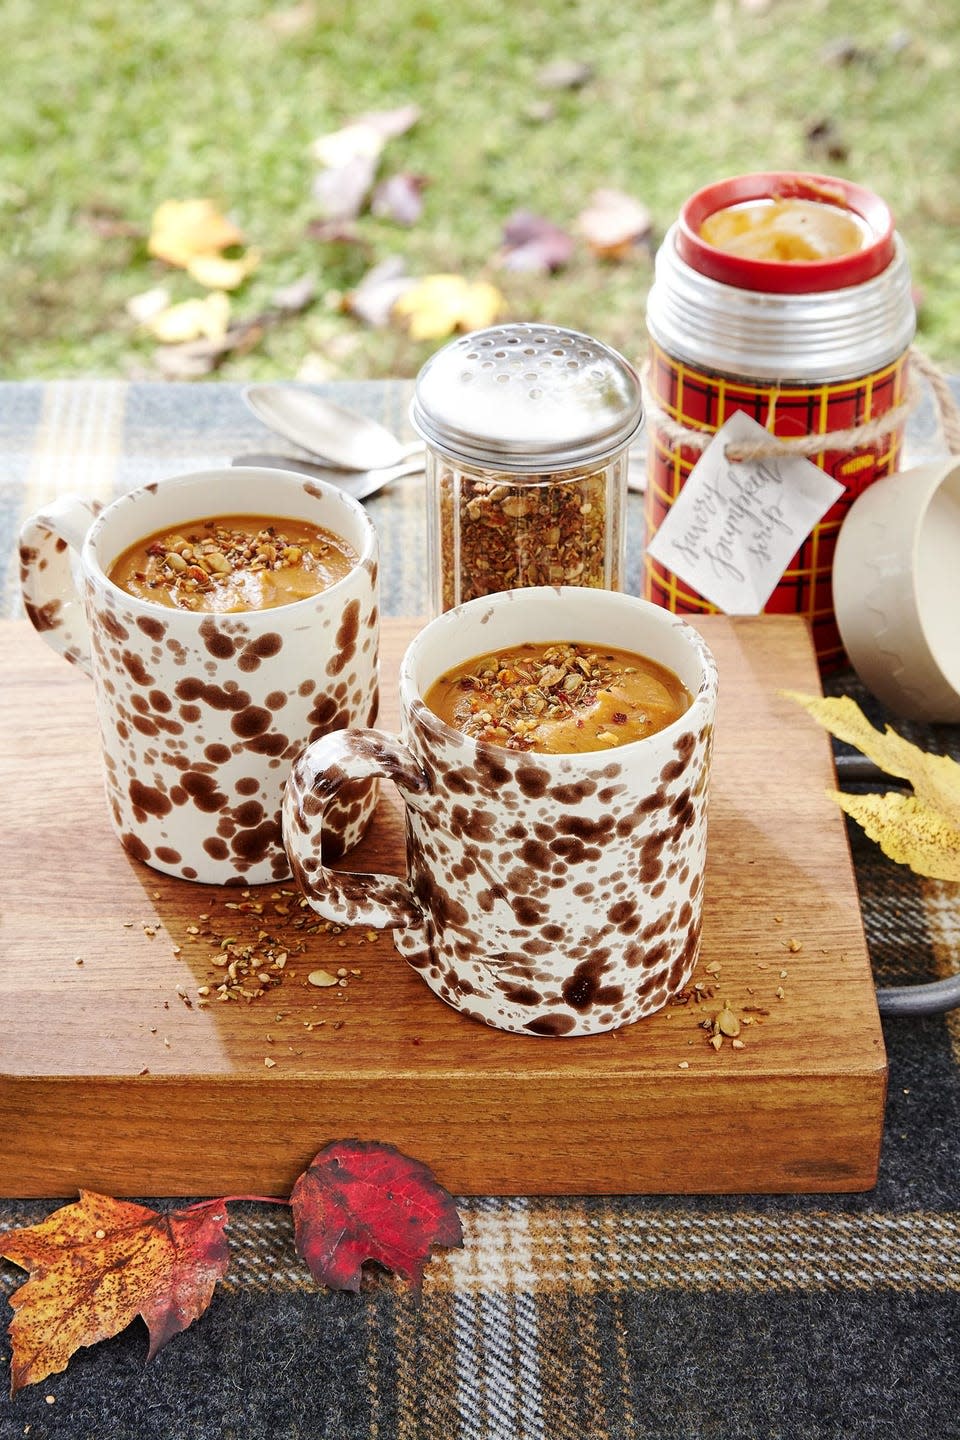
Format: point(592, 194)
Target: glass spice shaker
point(527, 429)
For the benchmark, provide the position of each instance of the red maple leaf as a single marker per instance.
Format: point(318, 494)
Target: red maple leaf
point(362, 1200)
point(97, 1264)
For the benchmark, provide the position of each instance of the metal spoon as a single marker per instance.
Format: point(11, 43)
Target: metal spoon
point(350, 441)
point(342, 437)
point(359, 483)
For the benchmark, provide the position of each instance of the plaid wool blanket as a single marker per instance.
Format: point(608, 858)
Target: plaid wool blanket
point(613, 1318)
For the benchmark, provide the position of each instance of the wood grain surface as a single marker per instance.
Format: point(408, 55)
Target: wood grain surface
point(115, 1076)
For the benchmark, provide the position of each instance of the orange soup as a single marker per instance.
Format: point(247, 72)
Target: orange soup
point(790, 229)
point(230, 563)
point(559, 698)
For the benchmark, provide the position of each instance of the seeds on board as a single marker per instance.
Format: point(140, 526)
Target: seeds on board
point(321, 978)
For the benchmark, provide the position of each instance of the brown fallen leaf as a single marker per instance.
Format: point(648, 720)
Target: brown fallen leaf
point(195, 358)
point(613, 224)
point(845, 50)
point(533, 244)
point(374, 298)
point(440, 304)
point(366, 135)
point(921, 830)
point(190, 361)
point(564, 74)
point(108, 223)
point(292, 20)
point(341, 190)
point(296, 297)
point(337, 232)
point(97, 1264)
point(399, 198)
point(350, 157)
point(825, 140)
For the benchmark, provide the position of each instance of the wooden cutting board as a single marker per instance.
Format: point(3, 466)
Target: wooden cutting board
point(115, 1074)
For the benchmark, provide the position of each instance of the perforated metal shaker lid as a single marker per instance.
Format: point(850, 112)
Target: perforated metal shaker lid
point(527, 398)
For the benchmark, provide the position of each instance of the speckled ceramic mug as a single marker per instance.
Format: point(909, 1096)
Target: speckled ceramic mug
point(201, 714)
point(545, 894)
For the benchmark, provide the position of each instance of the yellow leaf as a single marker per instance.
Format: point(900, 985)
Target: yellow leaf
point(192, 320)
point(182, 229)
point(482, 304)
point(216, 272)
point(935, 778)
point(432, 306)
point(440, 304)
point(908, 831)
point(921, 830)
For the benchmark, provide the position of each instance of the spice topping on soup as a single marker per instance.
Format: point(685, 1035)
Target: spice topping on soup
point(559, 698)
point(232, 563)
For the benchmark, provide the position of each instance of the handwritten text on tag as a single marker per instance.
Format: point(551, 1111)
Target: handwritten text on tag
point(735, 525)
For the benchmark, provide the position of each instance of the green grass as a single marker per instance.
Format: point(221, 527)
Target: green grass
point(112, 107)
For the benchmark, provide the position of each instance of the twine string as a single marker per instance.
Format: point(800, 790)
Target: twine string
point(948, 411)
point(857, 437)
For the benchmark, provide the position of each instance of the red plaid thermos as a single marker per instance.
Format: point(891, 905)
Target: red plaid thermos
point(807, 348)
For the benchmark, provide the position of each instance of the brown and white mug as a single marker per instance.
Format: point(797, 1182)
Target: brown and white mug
point(548, 894)
point(201, 714)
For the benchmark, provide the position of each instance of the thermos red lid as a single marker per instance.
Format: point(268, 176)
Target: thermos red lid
point(795, 277)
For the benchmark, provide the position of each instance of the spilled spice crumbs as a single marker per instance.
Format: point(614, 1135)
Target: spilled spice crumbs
point(724, 1022)
point(255, 942)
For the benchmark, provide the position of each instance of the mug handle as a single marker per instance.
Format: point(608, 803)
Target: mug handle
point(319, 774)
point(51, 599)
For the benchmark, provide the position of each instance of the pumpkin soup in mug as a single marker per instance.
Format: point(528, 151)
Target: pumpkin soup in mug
point(558, 698)
point(232, 563)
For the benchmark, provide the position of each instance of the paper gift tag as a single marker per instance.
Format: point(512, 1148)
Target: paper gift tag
point(735, 525)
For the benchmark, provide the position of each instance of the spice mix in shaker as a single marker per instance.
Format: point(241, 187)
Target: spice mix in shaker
point(527, 429)
point(788, 297)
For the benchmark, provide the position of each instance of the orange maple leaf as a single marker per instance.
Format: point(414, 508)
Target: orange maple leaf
point(97, 1264)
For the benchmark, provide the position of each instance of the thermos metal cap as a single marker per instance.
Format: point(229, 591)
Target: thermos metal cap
point(783, 338)
point(527, 398)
